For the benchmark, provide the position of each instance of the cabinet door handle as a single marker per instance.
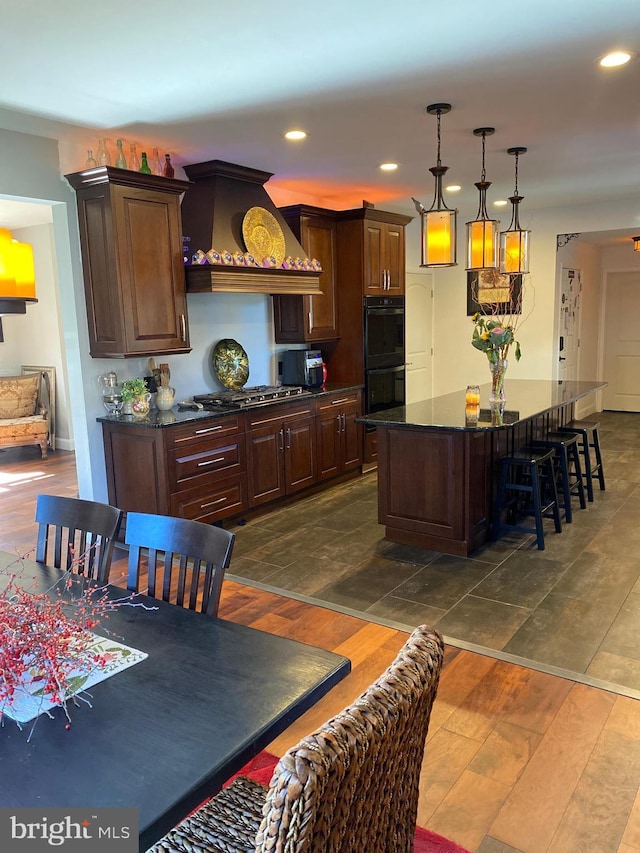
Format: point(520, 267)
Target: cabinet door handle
point(183, 327)
point(213, 503)
point(288, 439)
point(339, 423)
point(282, 439)
point(211, 462)
point(309, 321)
point(344, 423)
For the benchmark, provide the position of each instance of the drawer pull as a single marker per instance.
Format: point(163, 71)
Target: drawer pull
point(211, 462)
point(198, 432)
point(213, 503)
point(338, 402)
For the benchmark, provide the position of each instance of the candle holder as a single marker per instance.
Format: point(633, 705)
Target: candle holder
point(472, 395)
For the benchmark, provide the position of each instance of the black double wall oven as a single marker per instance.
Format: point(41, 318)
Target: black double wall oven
point(384, 352)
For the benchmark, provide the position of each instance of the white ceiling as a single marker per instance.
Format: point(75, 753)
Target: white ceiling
point(213, 79)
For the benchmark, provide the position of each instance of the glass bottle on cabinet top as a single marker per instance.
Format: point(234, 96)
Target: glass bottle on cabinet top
point(169, 171)
point(91, 163)
point(158, 165)
point(134, 160)
point(121, 160)
point(144, 165)
point(102, 155)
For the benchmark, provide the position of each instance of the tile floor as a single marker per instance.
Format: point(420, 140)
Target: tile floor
point(572, 609)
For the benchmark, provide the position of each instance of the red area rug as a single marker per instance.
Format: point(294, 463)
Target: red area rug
point(261, 770)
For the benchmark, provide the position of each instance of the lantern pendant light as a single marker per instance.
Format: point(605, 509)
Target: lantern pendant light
point(636, 244)
point(514, 242)
point(439, 223)
point(482, 232)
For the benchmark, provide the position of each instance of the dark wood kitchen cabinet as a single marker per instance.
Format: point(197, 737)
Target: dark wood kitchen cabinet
point(280, 450)
point(197, 470)
point(339, 436)
point(311, 318)
point(131, 242)
point(371, 251)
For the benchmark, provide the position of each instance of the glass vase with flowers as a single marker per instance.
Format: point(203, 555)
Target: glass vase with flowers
point(494, 336)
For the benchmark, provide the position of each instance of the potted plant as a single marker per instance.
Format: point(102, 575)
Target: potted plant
point(135, 397)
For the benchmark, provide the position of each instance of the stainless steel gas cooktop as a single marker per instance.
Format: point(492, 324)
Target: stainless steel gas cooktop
point(256, 396)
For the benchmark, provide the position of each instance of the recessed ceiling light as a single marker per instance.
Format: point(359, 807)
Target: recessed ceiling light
point(615, 58)
point(501, 202)
point(453, 188)
point(388, 167)
point(295, 134)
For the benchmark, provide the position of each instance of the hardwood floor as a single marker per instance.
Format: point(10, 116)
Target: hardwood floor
point(516, 760)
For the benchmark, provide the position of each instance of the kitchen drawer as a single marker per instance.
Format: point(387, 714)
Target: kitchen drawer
point(212, 503)
point(201, 459)
point(277, 414)
point(334, 401)
point(197, 431)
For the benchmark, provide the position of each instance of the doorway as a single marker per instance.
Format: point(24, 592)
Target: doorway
point(419, 336)
point(622, 341)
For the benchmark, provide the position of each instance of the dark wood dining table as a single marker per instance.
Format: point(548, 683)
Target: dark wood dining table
point(164, 734)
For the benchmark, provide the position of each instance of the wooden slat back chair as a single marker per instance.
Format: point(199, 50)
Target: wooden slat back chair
point(84, 535)
point(186, 559)
point(349, 787)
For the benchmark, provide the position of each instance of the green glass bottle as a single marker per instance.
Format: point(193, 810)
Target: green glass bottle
point(144, 165)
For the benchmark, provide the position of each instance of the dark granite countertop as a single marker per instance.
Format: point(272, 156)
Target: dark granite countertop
point(159, 420)
point(525, 399)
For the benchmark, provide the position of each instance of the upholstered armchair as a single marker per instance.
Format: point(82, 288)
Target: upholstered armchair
point(24, 411)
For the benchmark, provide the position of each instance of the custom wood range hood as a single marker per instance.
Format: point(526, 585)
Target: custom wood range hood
point(213, 210)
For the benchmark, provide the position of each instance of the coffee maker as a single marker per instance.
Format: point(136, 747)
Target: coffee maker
point(302, 367)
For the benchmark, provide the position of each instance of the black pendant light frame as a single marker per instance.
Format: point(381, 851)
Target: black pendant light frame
point(438, 206)
point(491, 261)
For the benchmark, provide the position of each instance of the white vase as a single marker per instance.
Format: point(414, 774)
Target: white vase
point(165, 397)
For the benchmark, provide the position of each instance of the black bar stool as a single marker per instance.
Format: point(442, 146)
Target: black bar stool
point(526, 477)
point(588, 432)
point(567, 467)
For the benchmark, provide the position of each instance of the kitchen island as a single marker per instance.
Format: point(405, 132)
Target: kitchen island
point(438, 460)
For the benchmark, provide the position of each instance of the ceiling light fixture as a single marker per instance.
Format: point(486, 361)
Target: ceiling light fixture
point(500, 202)
point(514, 242)
point(388, 167)
point(295, 134)
point(482, 232)
point(453, 188)
point(615, 59)
point(17, 276)
point(438, 224)
point(636, 243)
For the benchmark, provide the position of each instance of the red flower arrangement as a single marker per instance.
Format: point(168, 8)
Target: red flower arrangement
point(46, 640)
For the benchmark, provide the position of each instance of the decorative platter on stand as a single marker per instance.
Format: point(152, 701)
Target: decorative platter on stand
point(263, 235)
point(230, 363)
